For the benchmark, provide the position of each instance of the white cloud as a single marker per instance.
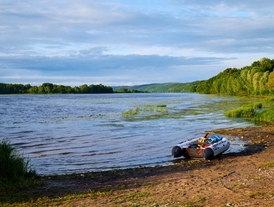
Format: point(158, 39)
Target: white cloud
point(117, 42)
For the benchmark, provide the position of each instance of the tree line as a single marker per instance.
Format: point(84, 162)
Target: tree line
point(256, 79)
point(49, 88)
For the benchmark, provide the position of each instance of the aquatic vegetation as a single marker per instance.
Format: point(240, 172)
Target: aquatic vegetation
point(241, 112)
point(245, 111)
point(265, 116)
point(178, 110)
point(148, 109)
point(131, 112)
point(161, 105)
point(258, 111)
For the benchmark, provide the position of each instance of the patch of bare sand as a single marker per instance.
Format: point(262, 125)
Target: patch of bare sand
point(239, 179)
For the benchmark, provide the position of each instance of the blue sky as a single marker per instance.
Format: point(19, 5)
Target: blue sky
point(123, 42)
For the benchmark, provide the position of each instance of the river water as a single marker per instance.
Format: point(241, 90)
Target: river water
point(63, 134)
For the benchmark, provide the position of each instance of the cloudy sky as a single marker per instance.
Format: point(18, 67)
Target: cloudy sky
point(130, 42)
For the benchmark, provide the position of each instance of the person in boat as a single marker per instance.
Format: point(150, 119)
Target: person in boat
point(203, 140)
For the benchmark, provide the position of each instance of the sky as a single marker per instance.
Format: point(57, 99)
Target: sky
point(130, 42)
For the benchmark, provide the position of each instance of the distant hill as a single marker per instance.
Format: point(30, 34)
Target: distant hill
point(162, 87)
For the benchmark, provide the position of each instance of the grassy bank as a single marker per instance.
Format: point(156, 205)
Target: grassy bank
point(257, 112)
point(15, 171)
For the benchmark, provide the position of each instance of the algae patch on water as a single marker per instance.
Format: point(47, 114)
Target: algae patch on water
point(145, 110)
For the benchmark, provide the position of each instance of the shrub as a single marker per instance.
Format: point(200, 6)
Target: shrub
point(14, 169)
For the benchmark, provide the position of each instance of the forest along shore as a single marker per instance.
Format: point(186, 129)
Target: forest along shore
point(238, 179)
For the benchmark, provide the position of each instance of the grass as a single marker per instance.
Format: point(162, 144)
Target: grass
point(269, 164)
point(266, 115)
point(64, 200)
point(256, 195)
point(148, 109)
point(14, 169)
point(131, 112)
point(254, 111)
point(239, 186)
point(259, 111)
point(132, 197)
point(245, 111)
point(15, 173)
point(174, 110)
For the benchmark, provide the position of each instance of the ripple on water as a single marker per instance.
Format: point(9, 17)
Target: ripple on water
point(77, 133)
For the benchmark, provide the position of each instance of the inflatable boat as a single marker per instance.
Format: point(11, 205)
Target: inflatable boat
point(205, 147)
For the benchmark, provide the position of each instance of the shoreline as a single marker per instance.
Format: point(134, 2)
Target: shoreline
point(235, 179)
point(253, 145)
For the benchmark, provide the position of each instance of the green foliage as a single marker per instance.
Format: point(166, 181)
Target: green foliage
point(265, 116)
point(126, 90)
point(148, 109)
point(255, 111)
point(160, 87)
point(131, 112)
point(246, 111)
point(257, 79)
point(14, 169)
point(49, 88)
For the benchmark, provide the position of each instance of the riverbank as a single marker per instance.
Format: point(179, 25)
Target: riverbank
point(238, 179)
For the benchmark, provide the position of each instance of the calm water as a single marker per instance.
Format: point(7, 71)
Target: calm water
point(79, 133)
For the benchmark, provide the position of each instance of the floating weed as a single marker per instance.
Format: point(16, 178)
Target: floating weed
point(161, 110)
point(148, 109)
point(161, 105)
point(131, 112)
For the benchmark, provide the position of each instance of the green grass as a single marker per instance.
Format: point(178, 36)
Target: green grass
point(245, 111)
point(63, 200)
point(254, 111)
point(269, 164)
point(131, 112)
point(242, 112)
point(146, 110)
point(133, 197)
point(15, 171)
point(266, 115)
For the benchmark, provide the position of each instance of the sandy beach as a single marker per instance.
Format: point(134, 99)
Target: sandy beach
point(238, 179)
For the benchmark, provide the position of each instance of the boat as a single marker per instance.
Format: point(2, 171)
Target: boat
point(203, 147)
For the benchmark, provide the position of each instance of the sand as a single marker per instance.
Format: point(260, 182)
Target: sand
point(235, 179)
